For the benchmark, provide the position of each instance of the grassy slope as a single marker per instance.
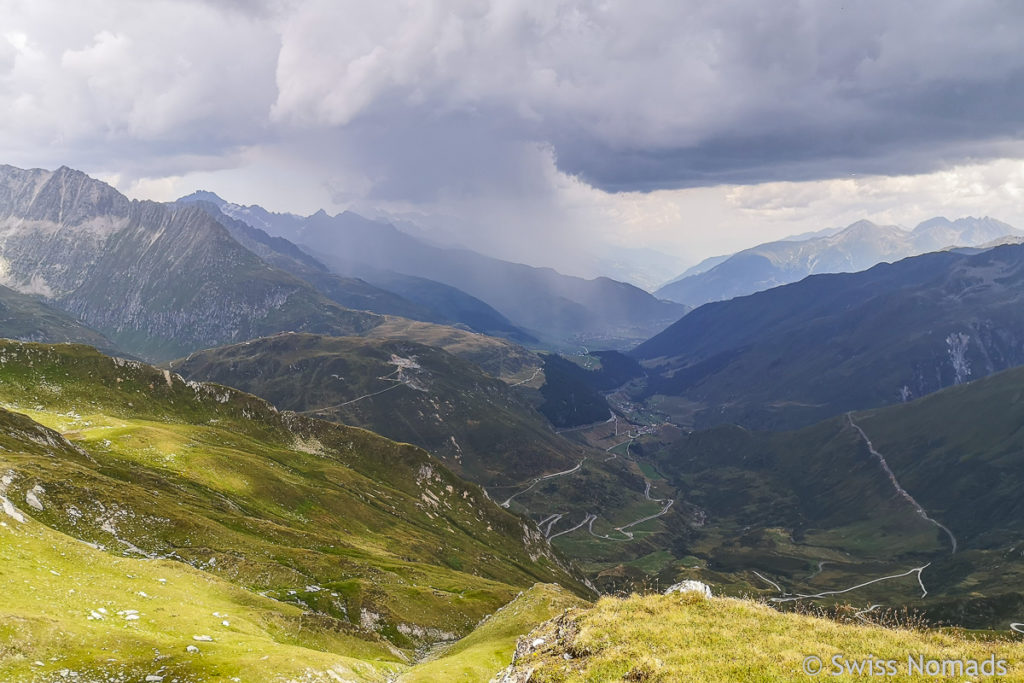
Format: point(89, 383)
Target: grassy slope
point(374, 535)
point(489, 648)
point(476, 424)
point(686, 637)
point(498, 357)
point(53, 584)
point(499, 439)
point(27, 318)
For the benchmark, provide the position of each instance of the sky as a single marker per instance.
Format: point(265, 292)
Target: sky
point(589, 136)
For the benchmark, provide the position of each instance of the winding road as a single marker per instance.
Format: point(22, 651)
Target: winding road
point(528, 379)
point(899, 489)
point(398, 382)
point(791, 597)
point(589, 518)
point(547, 524)
point(546, 477)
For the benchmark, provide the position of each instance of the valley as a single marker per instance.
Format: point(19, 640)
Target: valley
point(379, 475)
point(511, 342)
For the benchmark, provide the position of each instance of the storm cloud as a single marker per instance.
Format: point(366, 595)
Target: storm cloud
point(668, 94)
point(434, 106)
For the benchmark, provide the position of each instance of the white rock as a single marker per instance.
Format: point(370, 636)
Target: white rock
point(225, 623)
point(537, 643)
point(10, 510)
point(192, 649)
point(203, 639)
point(153, 678)
point(690, 586)
point(32, 497)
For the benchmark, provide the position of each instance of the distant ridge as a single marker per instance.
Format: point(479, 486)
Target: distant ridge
point(857, 247)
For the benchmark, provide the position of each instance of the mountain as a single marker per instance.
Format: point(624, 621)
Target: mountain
point(712, 261)
point(830, 343)
point(933, 483)
point(27, 318)
point(392, 293)
point(451, 306)
point(558, 309)
point(857, 247)
point(479, 426)
point(573, 394)
point(157, 280)
point(142, 511)
point(702, 267)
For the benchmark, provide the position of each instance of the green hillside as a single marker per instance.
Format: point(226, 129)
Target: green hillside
point(376, 545)
point(27, 318)
point(478, 425)
point(481, 428)
point(818, 512)
point(69, 608)
point(498, 357)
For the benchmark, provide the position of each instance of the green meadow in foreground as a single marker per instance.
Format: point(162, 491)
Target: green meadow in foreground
point(687, 637)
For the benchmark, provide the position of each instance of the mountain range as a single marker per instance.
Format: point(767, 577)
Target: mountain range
point(854, 248)
point(559, 310)
point(156, 280)
point(830, 343)
point(28, 318)
point(402, 295)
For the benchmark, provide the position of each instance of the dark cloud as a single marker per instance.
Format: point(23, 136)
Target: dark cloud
point(425, 100)
point(669, 94)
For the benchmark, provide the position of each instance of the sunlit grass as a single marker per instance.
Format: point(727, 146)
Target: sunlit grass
point(685, 637)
